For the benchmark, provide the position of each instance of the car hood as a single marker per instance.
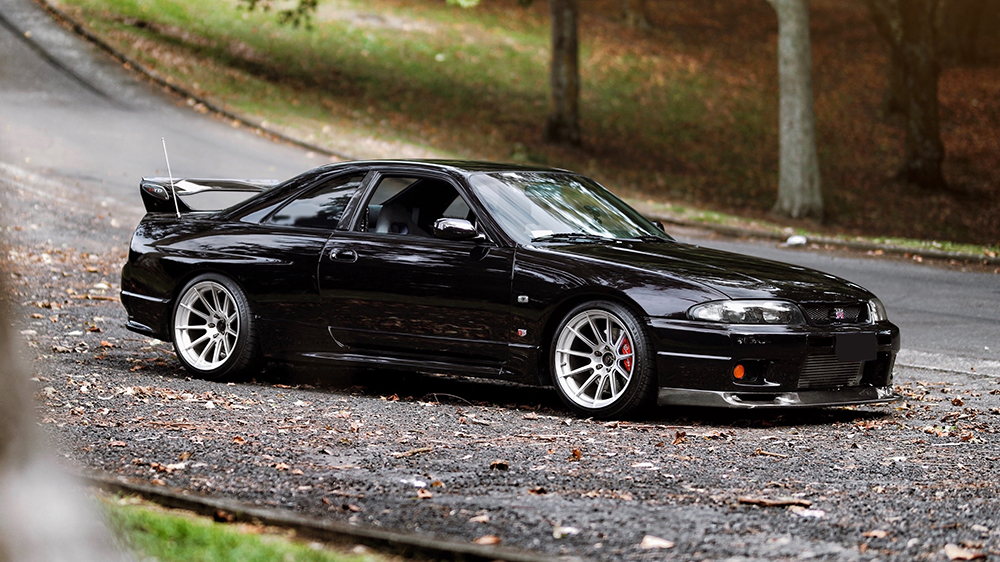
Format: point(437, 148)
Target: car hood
point(737, 276)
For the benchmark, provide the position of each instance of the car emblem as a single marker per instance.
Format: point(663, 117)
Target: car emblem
point(522, 332)
point(839, 313)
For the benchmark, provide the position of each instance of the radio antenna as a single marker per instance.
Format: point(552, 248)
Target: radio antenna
point(173, 188)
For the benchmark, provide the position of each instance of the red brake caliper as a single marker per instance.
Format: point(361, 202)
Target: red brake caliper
point(626, 349)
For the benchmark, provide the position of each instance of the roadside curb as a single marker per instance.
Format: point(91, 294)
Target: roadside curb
point(403, 544)
point(730, 231)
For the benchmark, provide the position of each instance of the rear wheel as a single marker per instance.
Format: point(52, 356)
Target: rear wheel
point(214, 333)
point(601, 361)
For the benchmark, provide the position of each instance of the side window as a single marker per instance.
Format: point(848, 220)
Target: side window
point(411, 205)
point(320, 207)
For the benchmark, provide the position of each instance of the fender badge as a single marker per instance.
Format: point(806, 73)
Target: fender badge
point(522, 299)
point(521, 332)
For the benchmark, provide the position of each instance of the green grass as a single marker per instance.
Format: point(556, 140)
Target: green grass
point(160, 535)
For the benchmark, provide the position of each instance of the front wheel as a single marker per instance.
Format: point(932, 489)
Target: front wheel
point(214, 333)
point(602, 361)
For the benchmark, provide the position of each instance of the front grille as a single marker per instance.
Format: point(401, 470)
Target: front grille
point(824, 371)
point(823, 314)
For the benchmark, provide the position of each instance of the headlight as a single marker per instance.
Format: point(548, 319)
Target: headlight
point(876, 311)
point(748, 312)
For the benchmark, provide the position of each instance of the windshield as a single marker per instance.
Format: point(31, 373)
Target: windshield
point(551, 206)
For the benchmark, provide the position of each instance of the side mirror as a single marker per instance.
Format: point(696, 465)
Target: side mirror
point(455, 229)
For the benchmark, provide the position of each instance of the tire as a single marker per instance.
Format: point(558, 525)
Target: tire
point(601, 361)
point(213, 330)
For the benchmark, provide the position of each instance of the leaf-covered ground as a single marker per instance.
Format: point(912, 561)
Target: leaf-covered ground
point(494, 463)
point(683, 113)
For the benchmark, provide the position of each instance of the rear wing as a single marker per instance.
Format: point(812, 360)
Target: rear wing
point(198, 194)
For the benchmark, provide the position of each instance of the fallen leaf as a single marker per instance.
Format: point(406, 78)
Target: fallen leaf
point(531, 416)
point(876, 534)
point(424, 494)
point(762, 452)
point(488, 540)
point(484, 518)
point(559, 531)
point(297, 472)
point(680, 437)
point(537, 491)
point(650, 542)
point(282, 466)
point(437, 484)
point(352, 507)
point(575, 455)
point(238, 440)
point(777, 502)
point(117, 444)
point(499, 465)
point(955, 552)
point(806, 512)
point(412, 452)
point(957, 402)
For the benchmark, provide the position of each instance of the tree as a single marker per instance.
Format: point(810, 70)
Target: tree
point(563, 123)
point(908, 27)
point(799, 193)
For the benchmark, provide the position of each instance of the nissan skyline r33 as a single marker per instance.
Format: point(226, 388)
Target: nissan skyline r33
point(527, 274)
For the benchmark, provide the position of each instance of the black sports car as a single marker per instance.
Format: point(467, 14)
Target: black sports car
point(530, 274)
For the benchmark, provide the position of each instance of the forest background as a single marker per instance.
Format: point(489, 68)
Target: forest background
point(678, 99)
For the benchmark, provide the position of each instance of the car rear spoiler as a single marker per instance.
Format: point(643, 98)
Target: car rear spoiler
point(198, 194)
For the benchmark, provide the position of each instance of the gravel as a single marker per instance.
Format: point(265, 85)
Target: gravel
point(473, 460)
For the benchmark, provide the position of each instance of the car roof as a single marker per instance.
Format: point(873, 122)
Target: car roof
point(461, 166)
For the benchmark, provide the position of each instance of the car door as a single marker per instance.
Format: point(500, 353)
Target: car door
point(391, 289)
point(286, 239)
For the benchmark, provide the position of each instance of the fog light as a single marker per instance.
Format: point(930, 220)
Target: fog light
point(738, 372)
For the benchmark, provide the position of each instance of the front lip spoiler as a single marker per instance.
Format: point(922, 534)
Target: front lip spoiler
point(753, 400)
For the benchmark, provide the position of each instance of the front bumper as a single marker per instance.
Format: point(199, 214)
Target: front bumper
point(786, 366)
point(802, 399)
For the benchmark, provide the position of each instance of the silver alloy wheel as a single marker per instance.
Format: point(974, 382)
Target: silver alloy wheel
point(206, 325)
point(594, 358)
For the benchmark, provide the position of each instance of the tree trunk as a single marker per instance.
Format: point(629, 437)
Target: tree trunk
point(634, 12)
point(799, 193)
point(909, 29)
point(563, 124)
point(957, 25)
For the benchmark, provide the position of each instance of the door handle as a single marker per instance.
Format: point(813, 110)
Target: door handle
point(349, 256)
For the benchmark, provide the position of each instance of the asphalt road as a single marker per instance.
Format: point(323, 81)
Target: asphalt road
point(73, 143)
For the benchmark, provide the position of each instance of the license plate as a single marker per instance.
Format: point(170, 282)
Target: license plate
point(856, 347)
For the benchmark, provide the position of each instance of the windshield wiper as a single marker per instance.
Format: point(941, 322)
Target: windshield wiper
point(651, 238)
point(572, 236)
